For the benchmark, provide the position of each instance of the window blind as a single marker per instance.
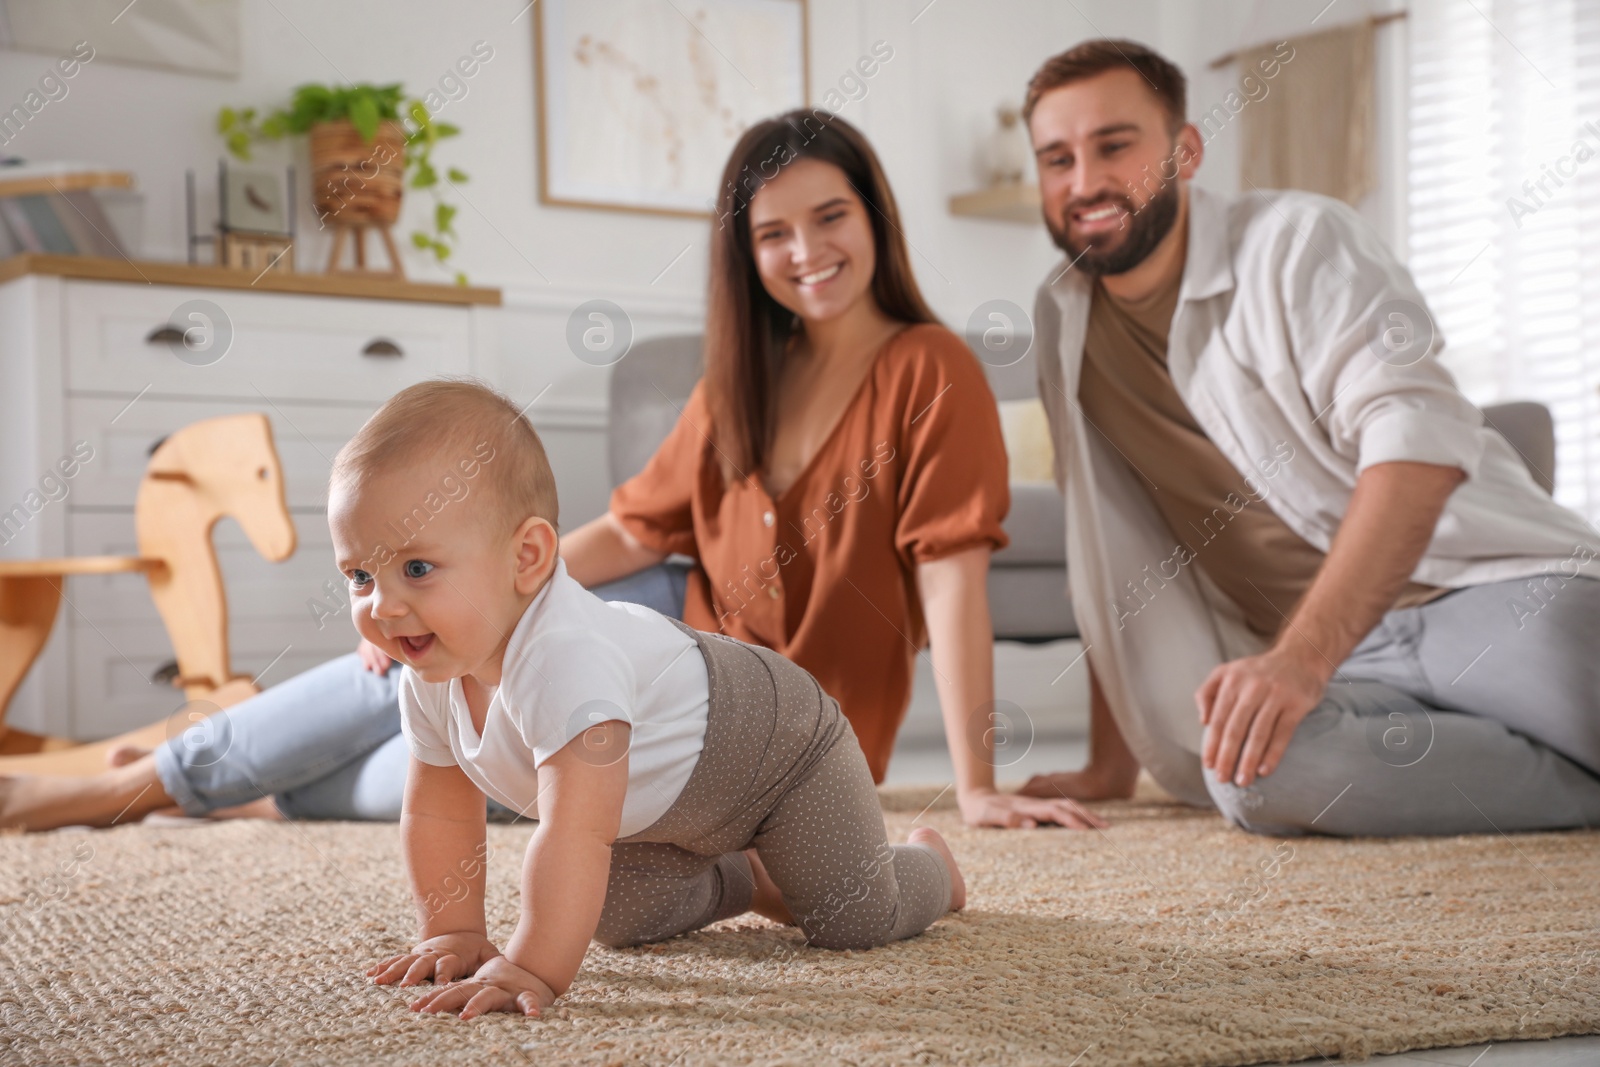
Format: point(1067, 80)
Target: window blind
point(1503, 167)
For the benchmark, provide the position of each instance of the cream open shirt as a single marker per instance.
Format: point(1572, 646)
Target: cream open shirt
point(1269, 349)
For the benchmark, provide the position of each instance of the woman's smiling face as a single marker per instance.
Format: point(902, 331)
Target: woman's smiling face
point(812, 240)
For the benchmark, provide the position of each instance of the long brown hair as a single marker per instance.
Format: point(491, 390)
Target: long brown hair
point(747, 331)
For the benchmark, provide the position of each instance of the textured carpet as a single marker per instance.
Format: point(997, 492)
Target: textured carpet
point(1168, 939)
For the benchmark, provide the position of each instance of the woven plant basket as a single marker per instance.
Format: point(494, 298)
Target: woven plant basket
point(355, 183)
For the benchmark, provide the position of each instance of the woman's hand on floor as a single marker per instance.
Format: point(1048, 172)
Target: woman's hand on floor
point(373, 658)
point(499, 985)
point(990, 807)
point(441, 959)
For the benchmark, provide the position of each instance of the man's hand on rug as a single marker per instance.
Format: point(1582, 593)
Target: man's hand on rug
point(990, 807)
point(1251, 707)
point(499, 985)
point(372, 657)
point(440, 959)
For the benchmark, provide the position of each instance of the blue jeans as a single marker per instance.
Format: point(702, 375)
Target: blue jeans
point(327, 744)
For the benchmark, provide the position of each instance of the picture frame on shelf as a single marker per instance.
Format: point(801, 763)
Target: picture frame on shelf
point(255, 227)
point(253, 201)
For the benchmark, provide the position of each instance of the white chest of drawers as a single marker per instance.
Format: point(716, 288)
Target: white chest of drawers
point(85, 364)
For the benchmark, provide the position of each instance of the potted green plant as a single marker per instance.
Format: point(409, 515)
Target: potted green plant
point(362, 154)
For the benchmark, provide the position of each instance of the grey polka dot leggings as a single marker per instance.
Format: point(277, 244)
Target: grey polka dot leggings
point(780, 771)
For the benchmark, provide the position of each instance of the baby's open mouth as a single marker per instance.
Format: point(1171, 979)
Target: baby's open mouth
point(416, 646)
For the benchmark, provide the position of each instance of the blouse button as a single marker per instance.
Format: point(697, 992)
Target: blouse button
point(772, 591)
point(766, 518)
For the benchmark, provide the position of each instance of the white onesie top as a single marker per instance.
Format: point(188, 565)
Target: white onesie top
point(573, 661)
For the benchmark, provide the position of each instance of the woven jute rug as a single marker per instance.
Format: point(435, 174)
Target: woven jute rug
point(1168, 939)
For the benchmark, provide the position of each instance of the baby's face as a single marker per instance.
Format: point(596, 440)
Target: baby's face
point(443, 602)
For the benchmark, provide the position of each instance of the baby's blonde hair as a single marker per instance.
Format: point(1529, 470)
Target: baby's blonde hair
point(476, 431)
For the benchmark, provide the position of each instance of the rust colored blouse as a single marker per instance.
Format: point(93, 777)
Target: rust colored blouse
point(825, 574)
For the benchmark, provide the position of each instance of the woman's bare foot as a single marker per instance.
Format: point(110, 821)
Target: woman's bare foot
point(122, 755)
point(265, 808)
point(926, 835)
point(115, 797)
point(767, 900)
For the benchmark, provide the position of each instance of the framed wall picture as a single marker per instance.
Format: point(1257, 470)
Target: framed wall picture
point(641, 101)
point(193, 36)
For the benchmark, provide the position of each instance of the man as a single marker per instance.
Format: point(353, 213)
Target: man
point(1314, 588)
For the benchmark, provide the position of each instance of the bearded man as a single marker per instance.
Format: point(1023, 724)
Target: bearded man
point(1315, 589)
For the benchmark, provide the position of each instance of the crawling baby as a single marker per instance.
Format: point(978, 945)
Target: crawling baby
point(678, 777)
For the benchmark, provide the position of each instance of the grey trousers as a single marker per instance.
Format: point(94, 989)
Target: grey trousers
point(1477, 712)
point(781, 771)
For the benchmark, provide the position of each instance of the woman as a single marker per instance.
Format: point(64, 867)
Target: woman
point(838, 475)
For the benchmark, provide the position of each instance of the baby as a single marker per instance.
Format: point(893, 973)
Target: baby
point(679, 777)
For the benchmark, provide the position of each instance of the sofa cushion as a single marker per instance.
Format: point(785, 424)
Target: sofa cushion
point(1030, 603)
point(1037, 526)
point(648, 388)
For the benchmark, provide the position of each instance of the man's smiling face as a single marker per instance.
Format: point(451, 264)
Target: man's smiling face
point(1110, 168)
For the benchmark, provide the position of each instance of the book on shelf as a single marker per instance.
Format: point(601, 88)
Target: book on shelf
point(59, 208)
point(34, 223)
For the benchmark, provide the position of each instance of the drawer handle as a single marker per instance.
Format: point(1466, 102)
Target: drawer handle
point(166, 674)
point(165, 335)
point(381, 346)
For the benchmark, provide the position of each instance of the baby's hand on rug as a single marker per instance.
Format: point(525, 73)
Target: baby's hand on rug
point(499, 985)
point(442, 958)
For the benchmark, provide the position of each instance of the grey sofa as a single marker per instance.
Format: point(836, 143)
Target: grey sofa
point(1028, 578)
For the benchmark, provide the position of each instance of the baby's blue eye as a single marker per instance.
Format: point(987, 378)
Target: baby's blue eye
point(359, 578)
point(416, 568)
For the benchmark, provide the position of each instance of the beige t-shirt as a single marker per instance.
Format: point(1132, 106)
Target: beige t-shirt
point(1128, 395)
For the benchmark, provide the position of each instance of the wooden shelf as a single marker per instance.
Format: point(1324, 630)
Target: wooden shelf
point(1009, 203)
point(53, 568)
point(95, 268)
point(66, 182)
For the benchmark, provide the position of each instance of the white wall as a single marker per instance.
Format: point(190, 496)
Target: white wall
point(1193, 34)
point(954, 61)
point(926, 110)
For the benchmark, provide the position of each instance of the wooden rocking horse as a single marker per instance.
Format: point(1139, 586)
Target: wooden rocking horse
point(217, 467)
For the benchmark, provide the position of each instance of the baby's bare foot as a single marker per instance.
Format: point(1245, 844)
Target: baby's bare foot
point(926, 835)
point(122, 755)
point(767, 899)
